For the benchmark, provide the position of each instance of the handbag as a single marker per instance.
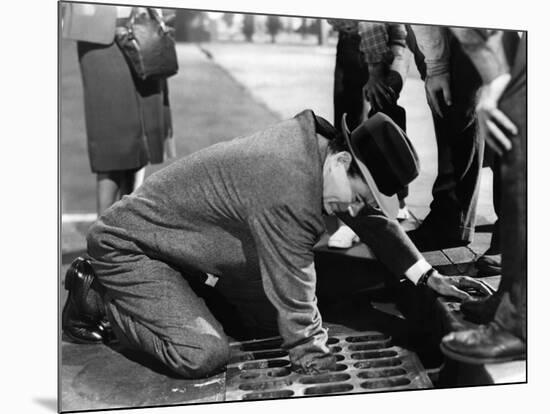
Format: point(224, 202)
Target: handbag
point(148, 45)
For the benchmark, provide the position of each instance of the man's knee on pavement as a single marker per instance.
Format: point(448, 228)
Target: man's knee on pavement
point(206, 359)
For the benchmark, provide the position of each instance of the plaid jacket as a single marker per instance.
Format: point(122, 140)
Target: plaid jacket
point(377, 39)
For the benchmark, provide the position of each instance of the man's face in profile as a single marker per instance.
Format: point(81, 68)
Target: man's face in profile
point(341, 191)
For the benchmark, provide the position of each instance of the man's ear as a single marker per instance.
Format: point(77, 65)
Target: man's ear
point(345, 158)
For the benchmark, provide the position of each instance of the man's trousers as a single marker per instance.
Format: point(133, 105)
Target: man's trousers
point(459, 146)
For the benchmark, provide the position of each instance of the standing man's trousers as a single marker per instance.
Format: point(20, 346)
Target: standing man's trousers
point(459, 146)
point(512, 311)
point(351, 73)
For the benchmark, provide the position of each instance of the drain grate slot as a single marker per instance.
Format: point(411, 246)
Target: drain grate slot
point(328, 389)
point(268, 395)
point(370, 346)
point(391, 362)
point(386, 383)
point(367, 338)
point(324, 378)
point(274, 363)
point(269, 354)
point(279, 372)
point(366, 362)
point(380, 373)
point(373, 354)
point(264, 385)
point(340, 367)
point(250, 375)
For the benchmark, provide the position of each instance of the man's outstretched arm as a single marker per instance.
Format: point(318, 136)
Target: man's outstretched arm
point(397, 252)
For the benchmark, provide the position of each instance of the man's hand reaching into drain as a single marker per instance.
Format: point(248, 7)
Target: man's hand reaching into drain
point(458, 286)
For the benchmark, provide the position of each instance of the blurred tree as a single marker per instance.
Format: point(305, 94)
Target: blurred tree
point(248, 27)
point(228, 18)
point(303, 27)
point(191, 26)
point(317, 29)
point(274, 25)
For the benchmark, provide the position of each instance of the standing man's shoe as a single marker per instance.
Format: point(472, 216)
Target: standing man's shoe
point(484, 345)
point(439, 230)
point(426, 238)
point(489, 264)
point(83, 318)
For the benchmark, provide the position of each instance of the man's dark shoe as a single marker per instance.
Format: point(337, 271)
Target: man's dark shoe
point(83, 318)
point(481, 311)
point(484, 345)
point(489, 265)
point(428, 238)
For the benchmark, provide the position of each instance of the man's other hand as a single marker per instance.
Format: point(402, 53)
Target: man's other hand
point(317, 365)
point(495, 127)
point(458, 286)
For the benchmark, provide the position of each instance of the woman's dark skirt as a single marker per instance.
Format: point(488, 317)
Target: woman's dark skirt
point(127, 120)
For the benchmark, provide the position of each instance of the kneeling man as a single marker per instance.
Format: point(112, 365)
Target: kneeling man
point(243, 217)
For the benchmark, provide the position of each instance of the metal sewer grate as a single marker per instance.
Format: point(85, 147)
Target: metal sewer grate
point(367, 362)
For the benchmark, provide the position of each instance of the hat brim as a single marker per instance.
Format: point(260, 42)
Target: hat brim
point(389, 205)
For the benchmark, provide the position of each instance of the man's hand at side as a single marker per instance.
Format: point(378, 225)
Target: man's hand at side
point(438, 89)
point(376, 90)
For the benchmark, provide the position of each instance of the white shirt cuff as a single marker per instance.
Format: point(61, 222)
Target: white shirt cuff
point(414, 272)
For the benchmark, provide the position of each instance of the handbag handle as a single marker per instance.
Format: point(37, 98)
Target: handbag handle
point(155, 15)
point(152, 12)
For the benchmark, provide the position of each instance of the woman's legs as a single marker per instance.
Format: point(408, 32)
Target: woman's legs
point(139, 177)
point(113, 185)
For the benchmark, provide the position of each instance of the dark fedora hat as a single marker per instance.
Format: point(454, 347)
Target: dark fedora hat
point(386, 158)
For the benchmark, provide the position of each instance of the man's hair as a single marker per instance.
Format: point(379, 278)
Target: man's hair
point(338, 144)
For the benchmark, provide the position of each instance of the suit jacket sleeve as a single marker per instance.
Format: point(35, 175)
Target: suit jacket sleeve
point(386, 238)
point(284, 240)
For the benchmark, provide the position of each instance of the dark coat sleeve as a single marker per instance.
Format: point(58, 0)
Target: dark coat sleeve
point(386, 238)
